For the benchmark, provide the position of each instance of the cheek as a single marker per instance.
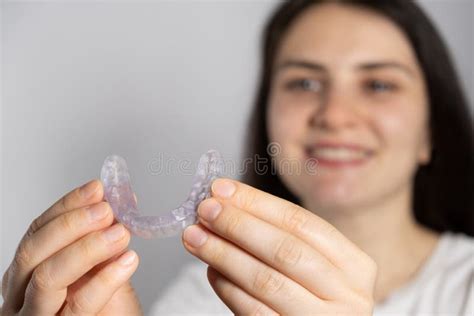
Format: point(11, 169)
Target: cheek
point(285, 122)
point(287, 126)
point(400, 127)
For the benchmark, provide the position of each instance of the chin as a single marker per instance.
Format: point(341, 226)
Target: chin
point(331, 195)
point(335, 197)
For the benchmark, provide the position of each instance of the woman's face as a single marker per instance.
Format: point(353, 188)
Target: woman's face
point(347, 91)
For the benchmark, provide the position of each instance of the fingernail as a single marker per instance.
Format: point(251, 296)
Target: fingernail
point(97, 211)
point(127, 258)
point(194, 236)
point(223, 188)
point(209, 209)
point(114, 233)
point(88, 189)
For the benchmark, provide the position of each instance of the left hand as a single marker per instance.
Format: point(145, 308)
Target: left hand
point(267, 255)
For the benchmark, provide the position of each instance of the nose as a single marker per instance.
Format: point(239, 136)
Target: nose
point(335, 111)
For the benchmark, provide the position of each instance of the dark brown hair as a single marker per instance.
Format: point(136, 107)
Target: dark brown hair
point(443, 189)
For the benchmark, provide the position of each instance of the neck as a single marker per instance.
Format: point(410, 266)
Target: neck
point(387, 231)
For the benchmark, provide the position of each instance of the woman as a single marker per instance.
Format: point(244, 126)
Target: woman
point(367, 90)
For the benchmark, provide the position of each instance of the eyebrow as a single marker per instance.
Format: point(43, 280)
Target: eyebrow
point(294, 63)
point(318, 67)
point(386, 64)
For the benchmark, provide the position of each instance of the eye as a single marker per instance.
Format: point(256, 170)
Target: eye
point(305, 85)
point(379, 86)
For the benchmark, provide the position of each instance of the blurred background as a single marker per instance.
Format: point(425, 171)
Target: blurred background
point(146, 80)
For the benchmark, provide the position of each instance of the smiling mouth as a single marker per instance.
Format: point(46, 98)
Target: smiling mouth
point(338, 155)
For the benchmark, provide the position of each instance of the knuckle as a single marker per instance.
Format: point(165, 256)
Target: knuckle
point(247, 198)
point(34, 226)
point(67, 201)
point(79, 305)
point(295, 220)
point(257, 310)
point(41, 279)
point(67, 222)
point(217, 255)
point(22, 257)
point(5, 282)
point(233, 223)
point(288, 253)
point(260, 310)
point(63, 202)
point(267, 283)
point(87, 247)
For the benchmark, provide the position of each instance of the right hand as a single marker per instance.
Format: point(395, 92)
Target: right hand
point(66, 265)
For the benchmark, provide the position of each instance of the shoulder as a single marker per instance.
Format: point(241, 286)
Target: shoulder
point(457, 253)
point(189, 294)
point(445, 285)
point(451, 283)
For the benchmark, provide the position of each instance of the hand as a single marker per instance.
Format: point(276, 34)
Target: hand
point(267, 255)
point(67, 264)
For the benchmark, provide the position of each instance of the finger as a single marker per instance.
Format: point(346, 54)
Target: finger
point(238, 301)
point(93, 272)
point(275, 247)
point(94, 294)
point(247, 272)
point(4, 284)
point(89, 193)
point(96, 269)
point(300, 222)
point(47, 289)
point(49, 239)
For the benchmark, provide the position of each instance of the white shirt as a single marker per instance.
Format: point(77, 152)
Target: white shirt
point(443, 286)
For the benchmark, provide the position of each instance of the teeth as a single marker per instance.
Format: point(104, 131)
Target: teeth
point(340, 154)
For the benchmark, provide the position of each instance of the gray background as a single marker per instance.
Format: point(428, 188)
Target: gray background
point(84, 79)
